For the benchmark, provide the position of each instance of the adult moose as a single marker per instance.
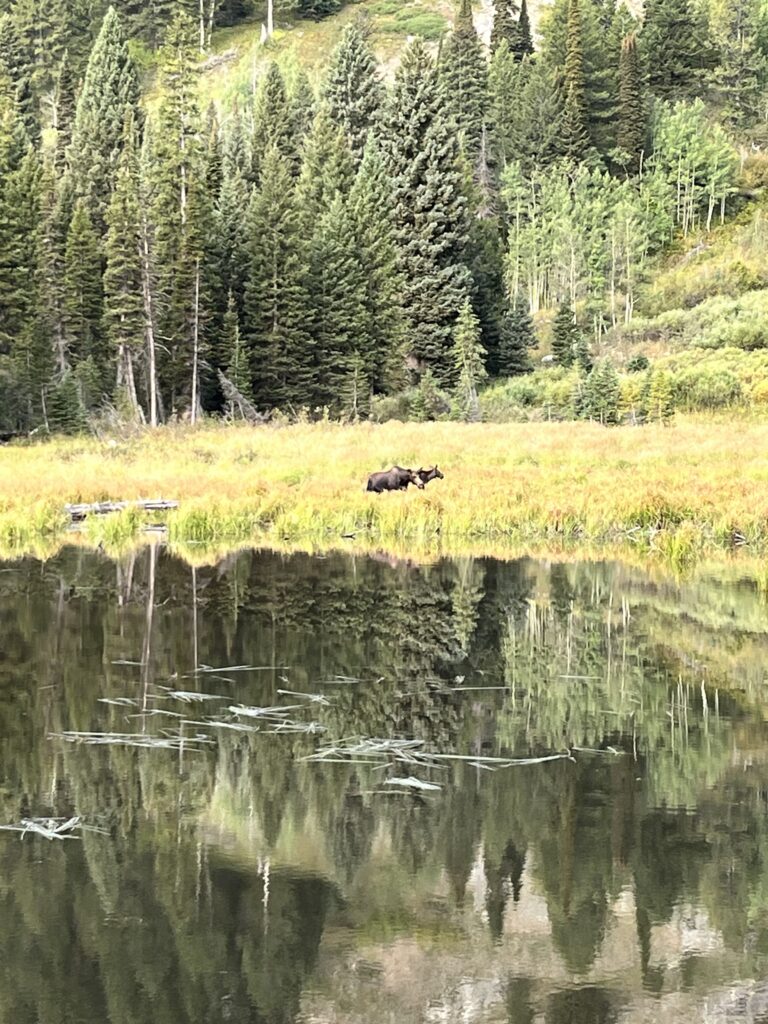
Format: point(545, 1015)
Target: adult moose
point(395, 479)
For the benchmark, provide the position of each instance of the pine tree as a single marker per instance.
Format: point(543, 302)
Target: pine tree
point(564, 335)
point(272, 122)
point(633, 126)
point(236, 148)
point(276, 298)
point(741, 71)
point(213, 156)
point(123, 303)
point(110, 93)
point(238, 370)
point(301, 113)
point(485, 253)
point(64, 109)
point(675, 48)
point(575, 138)
point(602, 394)
point(57, 204)
point(327, 168)
point(523, 45)
point(430, 210)
point(65, 409)
point(16, 63)
point(353, 90)
point(518, 336)
point(464, 79)
point(505, 26)
point(337, 289)
point(179, 212)
point(83, 299)
point(468, 362)
point(371, 211)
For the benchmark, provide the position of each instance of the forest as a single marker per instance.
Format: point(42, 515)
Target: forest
point(343, 243)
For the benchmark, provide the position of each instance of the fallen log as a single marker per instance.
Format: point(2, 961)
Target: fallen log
point(102, 508)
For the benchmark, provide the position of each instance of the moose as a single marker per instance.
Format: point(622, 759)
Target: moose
point(398, 478)
point(395, 479)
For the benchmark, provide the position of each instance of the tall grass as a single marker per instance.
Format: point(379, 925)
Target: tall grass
point(703, 483)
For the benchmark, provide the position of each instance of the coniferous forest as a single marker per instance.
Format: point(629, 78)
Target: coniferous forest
point(333, 238)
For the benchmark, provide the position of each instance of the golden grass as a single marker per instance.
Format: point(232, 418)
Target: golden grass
point(678, 490)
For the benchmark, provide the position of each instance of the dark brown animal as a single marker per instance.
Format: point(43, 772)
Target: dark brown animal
point(425, 475)
point(395, 479)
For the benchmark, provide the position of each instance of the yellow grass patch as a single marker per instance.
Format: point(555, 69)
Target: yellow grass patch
point(679, 489)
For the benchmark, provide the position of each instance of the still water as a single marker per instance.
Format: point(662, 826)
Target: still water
point(232, 879)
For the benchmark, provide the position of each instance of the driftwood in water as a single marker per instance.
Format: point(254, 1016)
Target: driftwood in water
point(102, 508)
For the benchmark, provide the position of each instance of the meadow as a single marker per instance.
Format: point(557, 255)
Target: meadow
point(678, 490)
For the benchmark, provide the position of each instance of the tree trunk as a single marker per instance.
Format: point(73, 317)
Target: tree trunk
point(149, 323)
point(196, 348)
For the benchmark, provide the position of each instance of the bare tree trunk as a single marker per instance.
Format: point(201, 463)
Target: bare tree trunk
point(196, 347)
point(211, 16)
point(149, 323)
point(201, 8)
point(270, 18)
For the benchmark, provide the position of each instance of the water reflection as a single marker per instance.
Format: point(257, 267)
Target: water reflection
point(244, 883)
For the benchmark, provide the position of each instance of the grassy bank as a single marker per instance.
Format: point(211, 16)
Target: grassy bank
point(678, 490)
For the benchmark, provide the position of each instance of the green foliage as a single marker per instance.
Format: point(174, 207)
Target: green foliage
point(565, 334)
point(430, 210)
point(83, 298)
point(273, 124)
point(632, 131)
point(517, 337)
point(469, 365)
point(65, 410)
point(353, 90)
point(316, 10)
point(676, 48)
point(109, 93)
point(740, 75)
point(525, 112)
point(601, 394)
point(464, 79)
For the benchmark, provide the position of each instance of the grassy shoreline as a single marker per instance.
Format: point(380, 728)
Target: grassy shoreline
point(680, 491)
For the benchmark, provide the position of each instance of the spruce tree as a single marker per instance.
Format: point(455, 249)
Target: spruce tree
point(83, 299)
point(464, 79)
point(180, 204)
point(66, 414)
point(675, 47)
point(57, 204)
point(575, 139)
point(518, 336)
point(430, 210)
point(276, 298)
point(338, 292)
point(213, 156)
point(485, 253)
point(601, 394)
point(237, 367)
point(564, 335)
point(123, 302)
point(236, 146)
point(16, 63)
point(272, 121)
point(741, 71)
point(633, 126)
point(64, 109)
point(372, 215)
point(505, 26)
point(327, 168)
point(301, 103)
point(523, 45)
point(469, 367)
point(353, 90)
point(316, 10)
point(110, 93)
point(534, 133)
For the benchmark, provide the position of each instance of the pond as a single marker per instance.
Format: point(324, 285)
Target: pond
point(357, 790)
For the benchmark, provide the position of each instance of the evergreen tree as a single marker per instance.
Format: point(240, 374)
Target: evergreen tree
point(575, 139)
point(633, 127)
point(65, 409)
point(213, 156)
point(675, 47)
point(238, 370)
point(64, 109)
point(581, 353)
point(485, 254)
point(660, 406)
point(464, 79)
point(16, 65)
point(327, 169)
point(301, 111)
point(468, 362)
point(337, 289)
point(353, 90)
point(505, 26)
point(83, 300)
point(564, 335)
point(110, 93)
point(525, 112)
point(602, 394)
point(370, 207)
point(276, 298)
point(741, 72)
point(179, 213)
point(57, 204)
point(123, 303)
point(355, 391)
point(522, 47)
point(272, 122)
point(236, 149)
point(316, 10)
point(517, 338)
point(430, 210)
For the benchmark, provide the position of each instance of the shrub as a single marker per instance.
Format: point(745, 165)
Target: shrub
point(637, 364)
